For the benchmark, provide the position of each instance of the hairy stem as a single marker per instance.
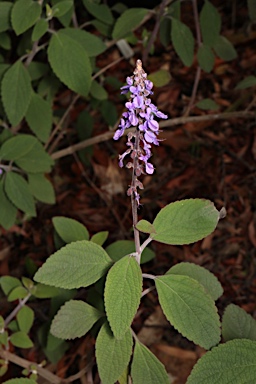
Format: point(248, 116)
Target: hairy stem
point(134, 201)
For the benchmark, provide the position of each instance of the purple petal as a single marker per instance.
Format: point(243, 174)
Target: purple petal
point(153, 125)
point(149, 168)
point(138, 101)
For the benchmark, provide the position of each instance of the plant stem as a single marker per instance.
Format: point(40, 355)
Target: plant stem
point(16, 310)
point(134, 201)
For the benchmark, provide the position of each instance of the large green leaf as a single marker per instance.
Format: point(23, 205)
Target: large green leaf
point(183, 42)
point(5, 15)
point(128, 21)
point(224, 49)
point(233, 362)
point(189, 309)
point(17, 190)
point(121, 248)
point(41, 188)
point(17, 146)
point(92, 44)
point(122, 294)
point(39, 117)
point(146, 368)
point(74, 319)
point(101, 11)
point(70, 62)
point(202, 275)
point(210, 23)
point(16, 92)
point(76, 265)
point(69, 229)
point(185, 221)
point(237, 324)
point(8, 211)
point(24, 14)
point(108, 348)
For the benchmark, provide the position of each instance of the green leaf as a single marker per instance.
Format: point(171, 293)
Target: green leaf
point(62, 7)
point(122, 294)
point(74, 319)
point(5, 41)
point(232, 362)
point(8, 283)
point(247, 82)
point(16, 92)
point(251, 8)
point(39, 117)
point(37, 70)
point(70, 63)
point(210, 23)
point(20, 380)
point(206, 58)
point(97, 91)
point(146, 368)
point(67, 17)
point(128, 21)
point(237, 324)
point(8, 211)
point(189, 309)
point(121, 248)
point(40, 28)
point(207, 104)
point(108, 348)
point(145, 227)
point(25, 318)
point(100, 237)
point(5, 15)
point(36, 160)
point(24, 14)
point(17, 293)
point(224, 49)
point(101, 11)
point(200, 274)
point(183, 42)
point(76, 265)
point(160, 78)
point(17, 146)
point(21, 340)
point(42, 291)
point(185, 221)
point(17, 190)
point(41, 188)
point(69, 229)
point(109, 112)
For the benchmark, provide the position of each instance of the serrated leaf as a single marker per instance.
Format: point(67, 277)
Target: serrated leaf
point(17, 293)
point(189, 309)
point(8, 283)
point(24, 15)
point(41, 188)
point(21, 340)
point(128, 21)
point(108, 348)
point(20, 380)
point(16, 92)
point(232, 362)
point(205, 57)
point(208, 104)
point(210, 23)
point(70, 63)
point(39, 117)
point(224, 49)
point(101, 11)
point(122, 294)
point(25, 318)
point(146, 368)
point(160, 78)
point(200, 274)
point(247, 82)
point(69, 229)
point(36, 160)
point(237, 324)
point(8, 211)
point(100, 237)
point(5, 15)
point(185, 221)
point(62, 7)
point(76, 265)
point(17, 146)
point(97, 91)
point(183, 42)
point(121, 248)
point(40, 28)
point(17, 190)
point(252, 9)
point(74, 319)
point(145, 227)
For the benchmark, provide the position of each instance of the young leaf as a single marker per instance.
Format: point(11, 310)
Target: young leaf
point(41, 188)
point(237, 324)
point(100, 237)
point(101, 11)
point(200, 274)
point(185, 221)
point(40, 28)
point(76, 265)
point(17, 293)
point(208, 104)
point(121, 248)
point(8, 211)
point(21, 340)
point(206, 58)
point(69, 229)
point(210, 23)
point(62, 7)
point(189, 309)
point(146, 368)
point(5, 15)
point(8, 283)
point(183, 42)
point(74, 319)
point(92, 44)
point(145, 226)
point(16, 92)
point(247, 82)
point(17, 190)
point(108, 348)
point(24, 14)
point(160, 78)
point(232, 362)
point(25, 318)
point(251, 8)
point(39, 117)
point(122, 294)
point(128, 21)
point(70, 63)
point(224, 49)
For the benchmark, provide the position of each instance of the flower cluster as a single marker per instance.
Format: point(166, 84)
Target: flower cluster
point(141, 114)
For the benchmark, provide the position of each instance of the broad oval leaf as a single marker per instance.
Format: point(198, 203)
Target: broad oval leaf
point(70, 63)
point(62, 7)
point(206, 58)
point(16, 92)
point(145, 226)
point(185, 221)
point(17, 146)
point(109, 349)
point(39, 117)
point(128, 21)
point(20, 339)
point(146, 368)
point(69, 229)
point(25, 318)
point(17, 293)
point(189, 309)
point(41, 188)
point(208, 104)
point(100, 237)
point(224, 49)
point(24, 14)
point(210, 23)
point(200, 274)
point(101, 11)
point(160, 78)
point(183, 42)
point(40, 28)
point(5, 15)
point(76, 265)
point(232, 362)
point(237, 324)
point(121, 248)
point(8, 283)
point(122, 294)
point(74, 319)
point(247, 82)
point(8, 211)
point(92, 44)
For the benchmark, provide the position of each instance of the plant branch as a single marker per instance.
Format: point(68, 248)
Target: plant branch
point(16, 310)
